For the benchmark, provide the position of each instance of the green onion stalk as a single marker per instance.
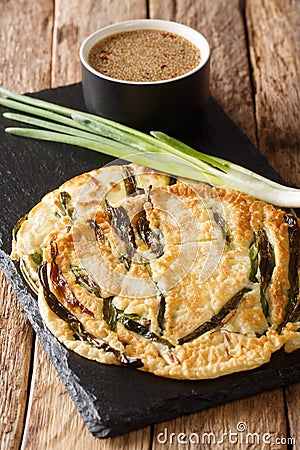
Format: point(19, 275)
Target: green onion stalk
point(156, 150)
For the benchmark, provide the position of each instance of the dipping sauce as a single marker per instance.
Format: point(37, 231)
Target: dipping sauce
point(144, 56)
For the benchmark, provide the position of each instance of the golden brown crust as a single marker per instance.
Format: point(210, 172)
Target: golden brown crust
point(178, 294)
point(277, 231)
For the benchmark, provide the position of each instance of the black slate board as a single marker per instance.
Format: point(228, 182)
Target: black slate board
point(115, 400)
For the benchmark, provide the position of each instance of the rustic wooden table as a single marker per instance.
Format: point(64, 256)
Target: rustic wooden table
point(255, 77)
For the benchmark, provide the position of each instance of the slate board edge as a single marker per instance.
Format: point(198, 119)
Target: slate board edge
point(86, 407)
point(258, 380)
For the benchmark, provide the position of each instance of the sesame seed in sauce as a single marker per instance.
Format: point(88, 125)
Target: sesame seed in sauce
point(144, 56)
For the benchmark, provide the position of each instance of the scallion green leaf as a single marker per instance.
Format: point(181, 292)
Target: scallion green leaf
point(158, 150)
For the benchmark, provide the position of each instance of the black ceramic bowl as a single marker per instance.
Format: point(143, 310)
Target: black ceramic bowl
point(164, 105)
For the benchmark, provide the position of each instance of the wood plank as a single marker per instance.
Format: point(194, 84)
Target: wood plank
point(67, 76)
point(226, 426)
point(53, 421)
point(275, 58)
point(25, 44)
point(292, 395)
point(70, 29)
point(222, 23)
point(274, 36)
point(25, 64)
point(15, 352)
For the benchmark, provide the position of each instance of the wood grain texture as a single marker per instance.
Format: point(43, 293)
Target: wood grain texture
point(50, 60)
point(53, 422)
point(274, 36)
point(25, 43)
point(25, 66)
point(292, 394)
point(15, 351)
point(77, 19)
point(225, 427)
point(222, 23)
